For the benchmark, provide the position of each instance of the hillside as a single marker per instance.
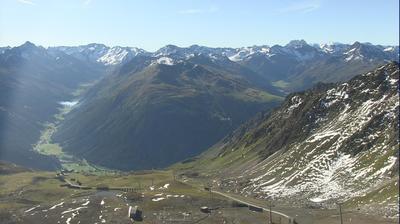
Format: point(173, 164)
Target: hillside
point(332, 143)
point(153, 112)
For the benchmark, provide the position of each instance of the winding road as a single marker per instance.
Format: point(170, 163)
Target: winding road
point(291, 219)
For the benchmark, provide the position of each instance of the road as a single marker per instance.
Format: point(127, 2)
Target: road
point(74, 185)
point(291, 219)
point(251, 204)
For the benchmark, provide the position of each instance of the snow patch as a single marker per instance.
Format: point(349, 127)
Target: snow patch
point(57, 205)
point(296, 101)
point(72, 210)
point(86, 203)
point(31, 209)
point(158, 199)
point(317, 200)
point(69, 103)
point(165, 61)
point(165, 186)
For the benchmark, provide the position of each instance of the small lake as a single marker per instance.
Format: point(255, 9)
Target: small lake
point(69, 103)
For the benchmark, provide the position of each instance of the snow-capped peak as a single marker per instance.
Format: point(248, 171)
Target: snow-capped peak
point(101, 53)
point(117, 55)
point(167, 50)
point(241, 54)
point(332, 47)
point(113, 56)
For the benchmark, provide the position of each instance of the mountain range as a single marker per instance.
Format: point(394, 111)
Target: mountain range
point(295, 66)
point(152, 109)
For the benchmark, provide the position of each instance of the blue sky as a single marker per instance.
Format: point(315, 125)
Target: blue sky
point(151, 24)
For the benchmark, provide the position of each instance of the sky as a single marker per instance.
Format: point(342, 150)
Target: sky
point(151, 24)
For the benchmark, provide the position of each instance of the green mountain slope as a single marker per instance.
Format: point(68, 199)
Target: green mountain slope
point(148, 117)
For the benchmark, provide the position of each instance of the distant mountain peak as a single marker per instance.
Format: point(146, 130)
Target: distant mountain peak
point(28, 50)
point(167, 50)
point(297, 43)
point(95, 45)
point(357, 44)
point(195, 46)
point(28, 46)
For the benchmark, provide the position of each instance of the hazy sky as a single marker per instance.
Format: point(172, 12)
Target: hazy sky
point(151, 24)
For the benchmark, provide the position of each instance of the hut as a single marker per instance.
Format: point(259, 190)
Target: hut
point(205, 209)
point(135, 213)
point(255, 209)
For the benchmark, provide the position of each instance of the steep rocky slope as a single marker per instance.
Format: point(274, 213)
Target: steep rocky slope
point(333, 143)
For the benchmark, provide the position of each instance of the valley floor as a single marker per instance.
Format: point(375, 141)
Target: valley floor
point(46, 146)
